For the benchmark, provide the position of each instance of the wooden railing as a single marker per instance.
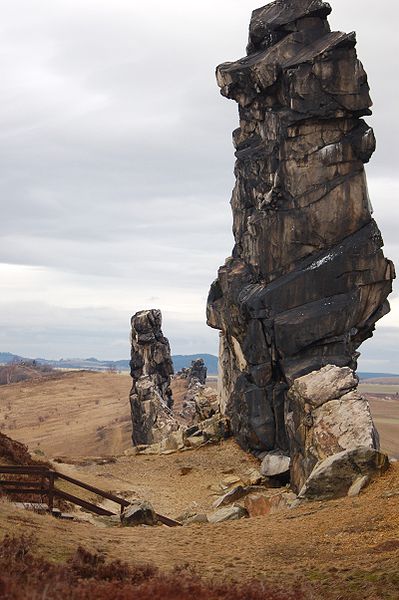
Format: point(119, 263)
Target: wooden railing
point(42, 483)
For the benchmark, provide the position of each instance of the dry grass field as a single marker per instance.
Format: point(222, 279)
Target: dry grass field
point(340, 550)
point(76, 414)
point(384, 401)
point(87, 414)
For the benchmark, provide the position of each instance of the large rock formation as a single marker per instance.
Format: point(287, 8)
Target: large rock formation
point(327, 421)
point(307, 279)
point(151, 368)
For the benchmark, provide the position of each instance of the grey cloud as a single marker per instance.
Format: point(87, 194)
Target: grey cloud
point(41, 330)
point(115, 150)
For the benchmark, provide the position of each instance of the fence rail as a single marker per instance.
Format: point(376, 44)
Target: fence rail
point(45, 486)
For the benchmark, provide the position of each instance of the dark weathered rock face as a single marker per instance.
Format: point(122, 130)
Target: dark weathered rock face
point(151, 368)
point(198, 372)
point(307, 279)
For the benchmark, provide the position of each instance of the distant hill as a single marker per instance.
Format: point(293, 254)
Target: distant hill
point(6, 358)
point(93, 364)
point(180, 361)
point(184, 361)
point(363, 376)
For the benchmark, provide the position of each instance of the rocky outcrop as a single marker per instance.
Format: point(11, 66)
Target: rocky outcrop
point(307, 280)
point(335, 476)
point(139, 512)
point(151, 369)
point(194, 401)
point(197, 373)
point(160, 424)
point(325, 416)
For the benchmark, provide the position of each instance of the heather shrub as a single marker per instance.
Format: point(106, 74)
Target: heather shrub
point(17, 453)
point(87, 576)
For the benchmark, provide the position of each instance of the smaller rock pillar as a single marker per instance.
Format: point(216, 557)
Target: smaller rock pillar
point(151, 368)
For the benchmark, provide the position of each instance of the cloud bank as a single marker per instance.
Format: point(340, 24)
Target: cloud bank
point(117, 166)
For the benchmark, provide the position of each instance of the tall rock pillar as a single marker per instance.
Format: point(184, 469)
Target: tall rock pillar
point(151, 368)
point(307, 279)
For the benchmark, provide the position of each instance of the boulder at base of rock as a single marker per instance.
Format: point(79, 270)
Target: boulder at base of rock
point(257, 505)
point(236, 493)
point(275, 463)
point(139, 512)
point(331, 383)
point(326, 415)
point(358, 486)
point(230, 513)
point(199, 518)
point(261, 505)
point(333, 477)
point(195, 441)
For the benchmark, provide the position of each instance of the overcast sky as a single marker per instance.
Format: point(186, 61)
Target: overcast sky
point(116, 167)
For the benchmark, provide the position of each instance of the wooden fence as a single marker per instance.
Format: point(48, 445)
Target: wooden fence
point(42, 482)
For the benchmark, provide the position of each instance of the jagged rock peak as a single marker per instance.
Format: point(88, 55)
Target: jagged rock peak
point(198, 371)
point(273, 22)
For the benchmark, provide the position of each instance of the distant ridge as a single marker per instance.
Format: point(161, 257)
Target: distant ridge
point(180, 361)
point(93, 364)
point(363, 376)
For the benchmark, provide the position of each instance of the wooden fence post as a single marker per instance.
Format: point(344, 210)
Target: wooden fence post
point(51, 477)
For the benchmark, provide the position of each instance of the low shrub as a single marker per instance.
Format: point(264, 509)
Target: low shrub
point(87, 576)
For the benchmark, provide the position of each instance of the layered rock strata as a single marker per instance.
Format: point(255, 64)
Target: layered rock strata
point(307, 280)
point(151, 368)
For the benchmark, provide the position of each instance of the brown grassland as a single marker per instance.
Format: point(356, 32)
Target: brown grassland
point(344, 549)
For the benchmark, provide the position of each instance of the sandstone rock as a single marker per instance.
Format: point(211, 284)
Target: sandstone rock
point(252, 477)
point(307, 279)
point(195, 441)
point(198, 518)
point(215, 429)
point(236, 493)
point(139, 512)
point(230, 480)
point(231, 513)
point(282, 501)
point(358, 486)
point(334, 476)
point(257, 505)
point(175, 441)
point(275, 463)
point(151, 368)
point(150, 450)
point(262, 504)
point(319, 428)
point(331, 383)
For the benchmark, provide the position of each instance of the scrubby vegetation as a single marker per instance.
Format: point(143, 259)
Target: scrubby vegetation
point(16, 453)
point(88, 576)
point(24, 371)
